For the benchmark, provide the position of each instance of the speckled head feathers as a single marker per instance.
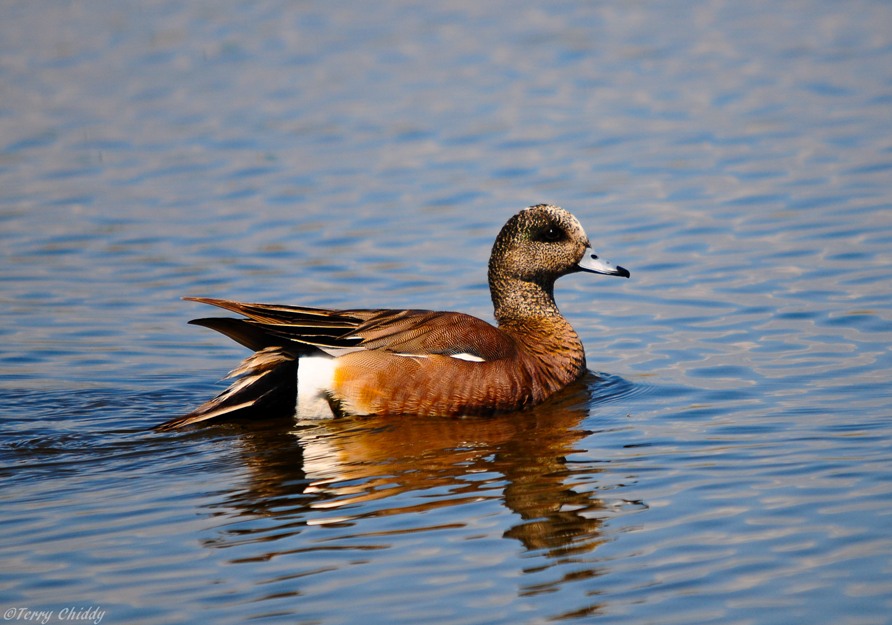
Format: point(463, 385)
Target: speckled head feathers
point(539, 244)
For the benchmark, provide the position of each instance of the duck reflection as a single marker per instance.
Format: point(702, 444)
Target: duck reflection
point(336, 472)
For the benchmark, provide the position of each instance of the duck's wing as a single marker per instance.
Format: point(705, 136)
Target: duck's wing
point(302, 330)
point(295, 328)
point(424, 332)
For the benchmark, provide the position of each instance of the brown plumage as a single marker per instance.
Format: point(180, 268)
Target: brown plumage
point(420, 362)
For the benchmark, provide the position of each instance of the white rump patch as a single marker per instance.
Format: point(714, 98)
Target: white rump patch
point(315, 377)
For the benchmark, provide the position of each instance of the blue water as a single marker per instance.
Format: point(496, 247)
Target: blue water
point(728, 461)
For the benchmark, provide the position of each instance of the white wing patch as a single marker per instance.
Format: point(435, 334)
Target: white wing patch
point(461, 356)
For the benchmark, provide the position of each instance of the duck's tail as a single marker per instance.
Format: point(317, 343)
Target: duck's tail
point(265, 386)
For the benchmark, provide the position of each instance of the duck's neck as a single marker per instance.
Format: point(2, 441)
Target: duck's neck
point(515, 299)
point(527, 311)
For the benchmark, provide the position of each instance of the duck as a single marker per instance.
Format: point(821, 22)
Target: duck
point(312, 363)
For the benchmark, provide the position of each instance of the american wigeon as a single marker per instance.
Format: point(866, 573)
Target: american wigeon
point(312, 362)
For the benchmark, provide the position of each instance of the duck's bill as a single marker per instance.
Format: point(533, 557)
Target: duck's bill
point(594, 264)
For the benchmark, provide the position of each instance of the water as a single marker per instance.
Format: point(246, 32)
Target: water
point(728, 464)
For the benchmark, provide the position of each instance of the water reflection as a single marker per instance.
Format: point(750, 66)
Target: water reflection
point(336, 473)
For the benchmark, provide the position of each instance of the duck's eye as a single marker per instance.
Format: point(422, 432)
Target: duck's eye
point(551, 234)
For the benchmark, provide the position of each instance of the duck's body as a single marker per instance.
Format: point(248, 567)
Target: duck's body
point(317, 362)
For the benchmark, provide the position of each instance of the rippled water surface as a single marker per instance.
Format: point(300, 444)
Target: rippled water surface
point(728, 461)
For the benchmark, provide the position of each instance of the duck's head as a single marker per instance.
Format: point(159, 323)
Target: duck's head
point(542, 243)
